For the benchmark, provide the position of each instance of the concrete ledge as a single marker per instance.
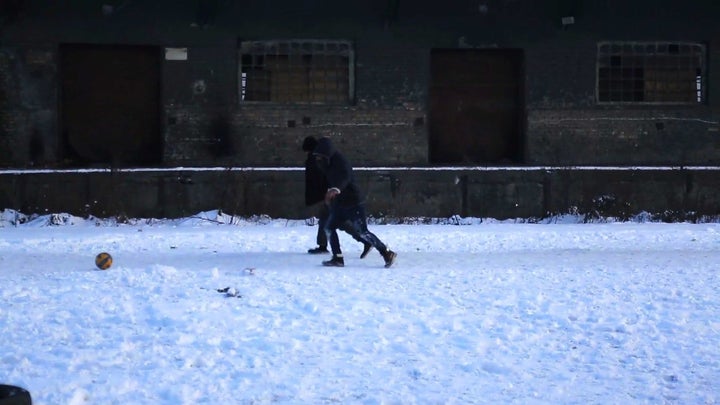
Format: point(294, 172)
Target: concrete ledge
point(494, 192)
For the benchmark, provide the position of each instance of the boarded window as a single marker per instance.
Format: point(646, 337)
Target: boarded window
point(301, 71)
point(651, 72)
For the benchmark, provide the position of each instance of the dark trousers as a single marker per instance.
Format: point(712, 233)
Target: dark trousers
point(323, 216)
point(353, 215)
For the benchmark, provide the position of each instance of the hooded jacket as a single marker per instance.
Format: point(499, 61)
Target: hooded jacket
point(315, 184)
point(338, 173)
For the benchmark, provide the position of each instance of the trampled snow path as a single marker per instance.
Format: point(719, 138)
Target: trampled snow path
point(483, 313)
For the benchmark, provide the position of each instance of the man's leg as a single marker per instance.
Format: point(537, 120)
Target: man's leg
point(334, 219)
point(359, 221)
point(321, 238)
point(348, 228)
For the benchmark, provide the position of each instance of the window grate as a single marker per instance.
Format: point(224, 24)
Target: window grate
point(651, 72)
point(296, 71)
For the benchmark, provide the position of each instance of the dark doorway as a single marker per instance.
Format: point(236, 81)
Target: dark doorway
point(476, 108)
point(110, 105)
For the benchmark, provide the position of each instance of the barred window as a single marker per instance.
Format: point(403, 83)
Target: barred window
point(651, 72)
point(296, 71)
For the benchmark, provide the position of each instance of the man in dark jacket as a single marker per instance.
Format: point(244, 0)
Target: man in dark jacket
point(346, 203)
point(315, 189)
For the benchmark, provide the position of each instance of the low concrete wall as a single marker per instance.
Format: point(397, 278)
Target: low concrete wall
point(512, 192)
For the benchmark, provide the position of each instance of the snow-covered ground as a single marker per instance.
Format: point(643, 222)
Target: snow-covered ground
point(484, 312)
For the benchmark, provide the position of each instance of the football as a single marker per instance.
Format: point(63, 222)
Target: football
point(103, 261)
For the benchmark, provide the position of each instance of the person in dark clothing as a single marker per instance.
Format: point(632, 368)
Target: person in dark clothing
point(346, 203)
point(315, 189)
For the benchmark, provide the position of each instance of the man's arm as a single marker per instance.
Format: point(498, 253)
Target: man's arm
point(338, 175)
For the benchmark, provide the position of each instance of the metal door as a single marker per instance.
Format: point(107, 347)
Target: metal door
point(476, 106)
point(110, 105)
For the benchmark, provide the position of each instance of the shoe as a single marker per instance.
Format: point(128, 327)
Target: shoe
point(389, 257)
point(317, 250)
point(366, 249)
point(336, 261)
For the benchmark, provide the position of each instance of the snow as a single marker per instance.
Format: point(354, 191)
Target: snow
point(371, 169)
point(481, 312)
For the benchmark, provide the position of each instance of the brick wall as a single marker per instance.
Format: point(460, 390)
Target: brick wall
point(28, 110)
point(203, 124)
point(623, 137)
point(385, 125)
point(11, 119)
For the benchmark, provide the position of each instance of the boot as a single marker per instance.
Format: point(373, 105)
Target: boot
point(389, 257)
point(336, 261)
point(318, 250)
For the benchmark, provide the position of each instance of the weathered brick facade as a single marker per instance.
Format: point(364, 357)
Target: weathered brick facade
point(203, 122)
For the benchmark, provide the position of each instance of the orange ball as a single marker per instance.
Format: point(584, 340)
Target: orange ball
point(103, 261)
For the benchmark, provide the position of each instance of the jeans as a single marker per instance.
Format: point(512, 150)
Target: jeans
point(355, 215)
point(323, 216)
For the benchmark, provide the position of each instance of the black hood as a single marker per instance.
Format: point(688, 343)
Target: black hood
point(324, 148)
point(309, 144)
